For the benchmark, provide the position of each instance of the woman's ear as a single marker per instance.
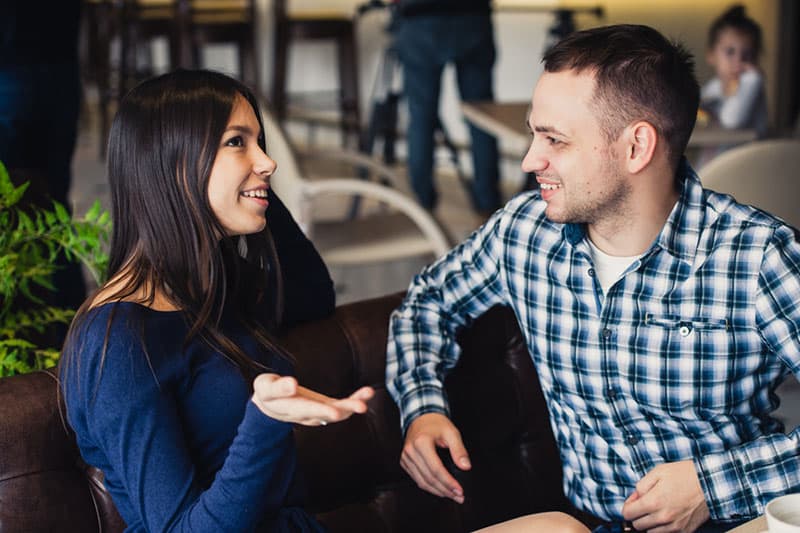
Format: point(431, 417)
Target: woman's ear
point(640, 140)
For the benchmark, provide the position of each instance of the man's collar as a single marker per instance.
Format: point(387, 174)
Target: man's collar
point(681, 232)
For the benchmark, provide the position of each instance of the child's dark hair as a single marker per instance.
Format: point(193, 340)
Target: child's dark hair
point(736, 18)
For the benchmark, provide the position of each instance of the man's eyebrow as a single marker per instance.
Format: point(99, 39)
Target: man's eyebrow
point(540, 129)
point(528, 117)
point(548, 129)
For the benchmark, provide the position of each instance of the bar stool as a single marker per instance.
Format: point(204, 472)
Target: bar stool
point(131, 24)
point(318, 26)
point(143, 21)
point(223, 21)
point(101, 23)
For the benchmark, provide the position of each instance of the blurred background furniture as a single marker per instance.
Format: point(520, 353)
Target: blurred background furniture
point(223, 21)
point(120, 35)
point(335, 26)
point(354, 480)
point(386, 225)
point(762, 174)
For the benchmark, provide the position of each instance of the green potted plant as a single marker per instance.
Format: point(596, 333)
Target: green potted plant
point(31, 238)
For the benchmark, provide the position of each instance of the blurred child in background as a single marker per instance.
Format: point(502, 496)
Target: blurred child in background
point(735, 97)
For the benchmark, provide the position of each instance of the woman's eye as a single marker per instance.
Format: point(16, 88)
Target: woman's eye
point(235, 141)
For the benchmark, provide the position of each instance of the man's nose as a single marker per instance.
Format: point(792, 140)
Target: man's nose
point(534, 160)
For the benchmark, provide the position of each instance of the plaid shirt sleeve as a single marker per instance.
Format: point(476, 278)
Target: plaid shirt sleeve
point(741, 480)
point(443, 298)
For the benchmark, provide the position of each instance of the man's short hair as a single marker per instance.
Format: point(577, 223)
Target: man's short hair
point(639, 75)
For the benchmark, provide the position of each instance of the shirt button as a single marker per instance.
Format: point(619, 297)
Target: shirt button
point(632, 440)
point(606, 333)
point(591, 272)
point(684, 330)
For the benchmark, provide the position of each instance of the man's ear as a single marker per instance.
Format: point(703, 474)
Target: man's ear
point(640, 145)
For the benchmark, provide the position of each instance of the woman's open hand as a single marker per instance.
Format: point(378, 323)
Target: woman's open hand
point(283, 399)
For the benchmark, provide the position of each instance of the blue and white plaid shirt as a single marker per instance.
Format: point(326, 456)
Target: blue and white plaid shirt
point(679, 361)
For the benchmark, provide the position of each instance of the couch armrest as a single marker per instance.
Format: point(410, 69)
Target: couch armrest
point(354, 478)
point(44, 486)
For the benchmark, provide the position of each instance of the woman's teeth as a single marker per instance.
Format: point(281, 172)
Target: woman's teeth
point(258, 193)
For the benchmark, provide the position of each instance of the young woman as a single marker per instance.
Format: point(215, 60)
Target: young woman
point(170, 377)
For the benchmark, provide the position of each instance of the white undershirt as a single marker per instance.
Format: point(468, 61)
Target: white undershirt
point(608, 268)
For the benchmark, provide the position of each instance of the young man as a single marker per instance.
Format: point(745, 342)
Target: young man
point(660, 316)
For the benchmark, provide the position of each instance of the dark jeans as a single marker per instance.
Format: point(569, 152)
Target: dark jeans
point(39, 108)
point(708, 527)
point(425, 44)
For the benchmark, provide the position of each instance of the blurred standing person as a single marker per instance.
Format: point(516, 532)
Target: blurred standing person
point(429, 34)
point(40, 95)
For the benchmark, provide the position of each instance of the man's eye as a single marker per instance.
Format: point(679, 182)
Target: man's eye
point(553, 140)
point(235, 141)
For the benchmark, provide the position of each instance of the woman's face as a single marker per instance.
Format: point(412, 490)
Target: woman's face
point(237, 187)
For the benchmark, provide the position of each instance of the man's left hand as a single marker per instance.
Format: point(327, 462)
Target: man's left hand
point(669, 498)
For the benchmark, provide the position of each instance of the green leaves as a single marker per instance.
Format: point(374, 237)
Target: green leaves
point(9, 195)
point(31, 240)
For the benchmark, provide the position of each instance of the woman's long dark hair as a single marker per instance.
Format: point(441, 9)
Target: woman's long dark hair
point(165, 237)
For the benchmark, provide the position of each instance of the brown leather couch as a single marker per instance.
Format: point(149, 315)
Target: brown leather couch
point(352, 470)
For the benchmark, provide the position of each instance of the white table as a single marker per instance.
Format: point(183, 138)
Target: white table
point(757, 525)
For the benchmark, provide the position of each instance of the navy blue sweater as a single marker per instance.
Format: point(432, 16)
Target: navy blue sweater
point(181, 445)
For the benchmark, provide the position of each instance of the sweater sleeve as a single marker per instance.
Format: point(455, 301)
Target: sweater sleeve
point(308, 288)
point(127, 419)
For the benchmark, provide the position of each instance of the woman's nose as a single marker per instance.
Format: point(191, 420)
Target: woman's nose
point(263, 164)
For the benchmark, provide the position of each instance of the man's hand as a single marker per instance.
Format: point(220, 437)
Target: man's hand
point(283, 399)
point(669, 498)
point(420, 460)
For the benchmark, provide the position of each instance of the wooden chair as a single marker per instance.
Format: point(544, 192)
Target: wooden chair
point(101, 22)
point(222, 21)
point(398, 229)
point(328, 26)
point(132, 24)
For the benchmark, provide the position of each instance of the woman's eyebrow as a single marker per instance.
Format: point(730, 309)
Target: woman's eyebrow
point(239, 128)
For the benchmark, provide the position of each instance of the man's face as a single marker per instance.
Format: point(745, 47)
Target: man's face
point(579, 172)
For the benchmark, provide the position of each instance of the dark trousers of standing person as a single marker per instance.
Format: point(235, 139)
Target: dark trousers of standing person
point(39, 108)
point(425, 44)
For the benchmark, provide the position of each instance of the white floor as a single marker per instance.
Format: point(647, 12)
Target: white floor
point(356, 283)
